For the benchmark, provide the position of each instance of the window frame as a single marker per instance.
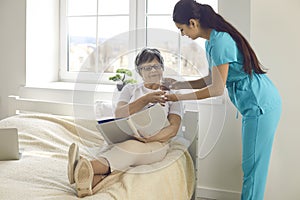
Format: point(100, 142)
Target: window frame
point(84, 77)
point(137, 21)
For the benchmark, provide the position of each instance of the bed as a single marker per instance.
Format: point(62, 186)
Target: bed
point(41, 173)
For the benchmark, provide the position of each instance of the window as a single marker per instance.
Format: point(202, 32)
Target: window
point(99, 36)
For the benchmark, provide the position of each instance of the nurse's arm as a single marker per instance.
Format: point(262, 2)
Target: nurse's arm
point(216, 88)
point(193, 84)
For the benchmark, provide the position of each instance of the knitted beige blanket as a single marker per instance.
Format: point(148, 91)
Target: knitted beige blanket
point(41, 173)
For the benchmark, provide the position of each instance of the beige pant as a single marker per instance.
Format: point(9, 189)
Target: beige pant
point(132, 153)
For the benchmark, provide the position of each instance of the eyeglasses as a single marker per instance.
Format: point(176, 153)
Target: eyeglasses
point(150, 67)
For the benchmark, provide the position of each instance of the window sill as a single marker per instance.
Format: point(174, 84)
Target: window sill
point(74, 86)
point(69, 92)
point(86, 93)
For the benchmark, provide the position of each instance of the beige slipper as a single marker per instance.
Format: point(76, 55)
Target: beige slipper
point(72, 161)
point(83, 176)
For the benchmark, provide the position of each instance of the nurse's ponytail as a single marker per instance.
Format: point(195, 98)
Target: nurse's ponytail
point(185, 10)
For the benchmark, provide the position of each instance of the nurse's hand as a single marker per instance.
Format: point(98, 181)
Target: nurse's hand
point(171, 97)
point(166, 83)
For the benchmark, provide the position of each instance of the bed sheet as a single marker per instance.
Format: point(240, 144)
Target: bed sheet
point(41, 173)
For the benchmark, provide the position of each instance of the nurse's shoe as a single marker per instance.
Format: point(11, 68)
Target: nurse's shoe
point(83, 176)
point(73, 157)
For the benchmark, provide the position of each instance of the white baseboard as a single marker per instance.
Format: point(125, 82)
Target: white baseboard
point(218, 194)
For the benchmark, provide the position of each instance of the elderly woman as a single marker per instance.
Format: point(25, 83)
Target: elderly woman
point(134, 97)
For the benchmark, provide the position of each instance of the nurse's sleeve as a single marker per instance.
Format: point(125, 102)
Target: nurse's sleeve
point(224, 50)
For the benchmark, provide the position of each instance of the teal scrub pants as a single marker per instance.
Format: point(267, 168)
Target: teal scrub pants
point(257, 138)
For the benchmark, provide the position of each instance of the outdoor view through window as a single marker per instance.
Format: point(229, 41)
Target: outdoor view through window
point(103, 36)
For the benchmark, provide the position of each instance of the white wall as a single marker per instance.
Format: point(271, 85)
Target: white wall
point(275, 35)
point(42, 53)
point(237, 13)
point(220, 173)
point(12, 50)
point(15, 55)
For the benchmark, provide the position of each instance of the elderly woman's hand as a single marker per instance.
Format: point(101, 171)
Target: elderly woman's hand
point(156, 97)
point(141, 138)
point(151, 139)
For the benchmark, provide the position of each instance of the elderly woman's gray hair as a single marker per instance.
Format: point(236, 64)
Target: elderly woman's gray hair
point(147, 55)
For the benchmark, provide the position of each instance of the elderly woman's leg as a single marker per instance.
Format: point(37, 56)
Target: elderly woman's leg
point(132, 153)
point(120, 157)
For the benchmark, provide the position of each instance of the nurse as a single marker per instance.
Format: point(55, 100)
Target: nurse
point(233, 63)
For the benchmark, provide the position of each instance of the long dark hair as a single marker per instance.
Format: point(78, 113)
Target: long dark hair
point(185, 10)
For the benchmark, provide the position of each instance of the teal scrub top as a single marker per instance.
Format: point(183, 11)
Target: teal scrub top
point(252, 95)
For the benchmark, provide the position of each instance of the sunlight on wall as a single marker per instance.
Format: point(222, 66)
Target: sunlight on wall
point(42, 41)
